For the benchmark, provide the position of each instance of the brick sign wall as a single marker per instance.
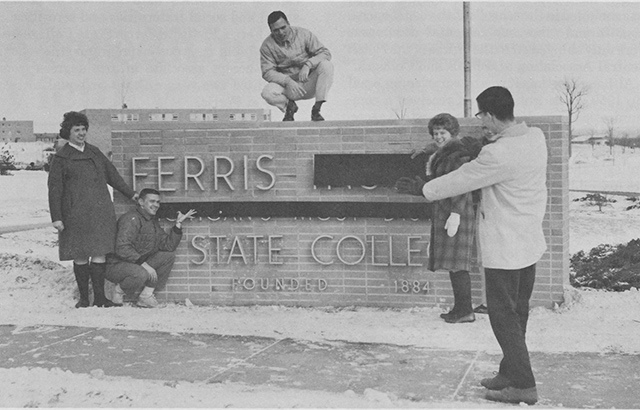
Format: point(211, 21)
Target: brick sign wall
point(269, 231)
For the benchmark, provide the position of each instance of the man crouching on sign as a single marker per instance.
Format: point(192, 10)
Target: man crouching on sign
point(145, 253)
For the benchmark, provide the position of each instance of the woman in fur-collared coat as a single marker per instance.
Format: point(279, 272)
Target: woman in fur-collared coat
point(453, 222)
point(81, 207)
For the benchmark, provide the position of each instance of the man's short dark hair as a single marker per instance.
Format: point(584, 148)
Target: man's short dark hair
point(446, 121)
point(70, 120)
point(275, 16)
point(497, 101)
point(148, 191)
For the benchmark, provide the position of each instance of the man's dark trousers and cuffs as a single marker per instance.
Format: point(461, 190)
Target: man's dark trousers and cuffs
point(132, 277)
point(508, 294)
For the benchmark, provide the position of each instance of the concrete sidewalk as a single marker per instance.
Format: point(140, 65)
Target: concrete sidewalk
point(583, 380)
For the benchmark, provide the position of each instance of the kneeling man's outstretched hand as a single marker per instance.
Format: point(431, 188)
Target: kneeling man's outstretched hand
point(406, 185)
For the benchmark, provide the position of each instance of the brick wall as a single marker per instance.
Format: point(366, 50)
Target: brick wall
point(101, 124)
point(312, 261)
point(553, 268)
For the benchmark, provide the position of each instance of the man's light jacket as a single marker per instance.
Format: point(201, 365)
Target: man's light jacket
point(279, 62)
point(511, 172)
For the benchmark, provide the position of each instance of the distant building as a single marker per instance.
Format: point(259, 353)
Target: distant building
point(16, 131)
point(103, 121)
point(590, 139)
point(46, 136)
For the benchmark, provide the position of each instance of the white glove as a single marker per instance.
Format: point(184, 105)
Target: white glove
point(452, 224)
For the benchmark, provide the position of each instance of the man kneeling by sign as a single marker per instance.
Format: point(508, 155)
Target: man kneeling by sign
point(145, 253)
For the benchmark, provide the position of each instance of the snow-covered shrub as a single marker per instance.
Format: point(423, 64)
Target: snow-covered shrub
point(607, 267)
point(6, 161)
point(636, 203)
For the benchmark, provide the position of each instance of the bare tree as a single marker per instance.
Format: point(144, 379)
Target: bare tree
point(401, 111)
point(592, 139)
point(624, 141)
point(571, 92)
point(610, 123)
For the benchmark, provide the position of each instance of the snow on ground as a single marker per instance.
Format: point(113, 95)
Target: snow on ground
point(23, 197)
point(57, 388)
point(596, 169)
point(26, 152)
point(37, 289)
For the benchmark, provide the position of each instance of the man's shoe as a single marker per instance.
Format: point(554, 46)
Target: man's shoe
point(117, 297)
point(107, 303)
point(147, 302)
point(83, 303)
point(482, 309)
point(292, 108)
point(315, 116)
point(513, 395)
point(461, 318)
point(496, 383)
point(448, 314)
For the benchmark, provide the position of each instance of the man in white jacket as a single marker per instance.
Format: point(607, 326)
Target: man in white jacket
point(511, 173)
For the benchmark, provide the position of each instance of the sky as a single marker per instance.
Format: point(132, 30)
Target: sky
point(62, 56)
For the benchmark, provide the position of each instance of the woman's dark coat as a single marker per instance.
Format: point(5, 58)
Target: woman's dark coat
point(453, 253)
point(79, 197)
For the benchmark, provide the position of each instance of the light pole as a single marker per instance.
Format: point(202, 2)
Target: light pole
point(466, 17)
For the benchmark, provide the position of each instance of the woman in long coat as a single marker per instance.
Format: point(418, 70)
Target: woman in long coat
point(453, 221)
point(81, 207)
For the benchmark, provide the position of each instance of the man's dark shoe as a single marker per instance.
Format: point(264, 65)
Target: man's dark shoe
point(450, 313)
point(496, 383)
point(513, 395)
point(83, 303)
point(106, 303)
point(482, 309)
point(461, 318)
point(315, 116)
point(292, 108)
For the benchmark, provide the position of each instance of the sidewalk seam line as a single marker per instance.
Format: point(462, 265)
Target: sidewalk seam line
point(208, 379)
point(473, 362)
point(58, 342)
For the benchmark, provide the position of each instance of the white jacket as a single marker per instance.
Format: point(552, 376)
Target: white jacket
point(512, 174)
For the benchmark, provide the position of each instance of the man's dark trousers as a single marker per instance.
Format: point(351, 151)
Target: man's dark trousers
point(132, 277)
point(508, 294)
